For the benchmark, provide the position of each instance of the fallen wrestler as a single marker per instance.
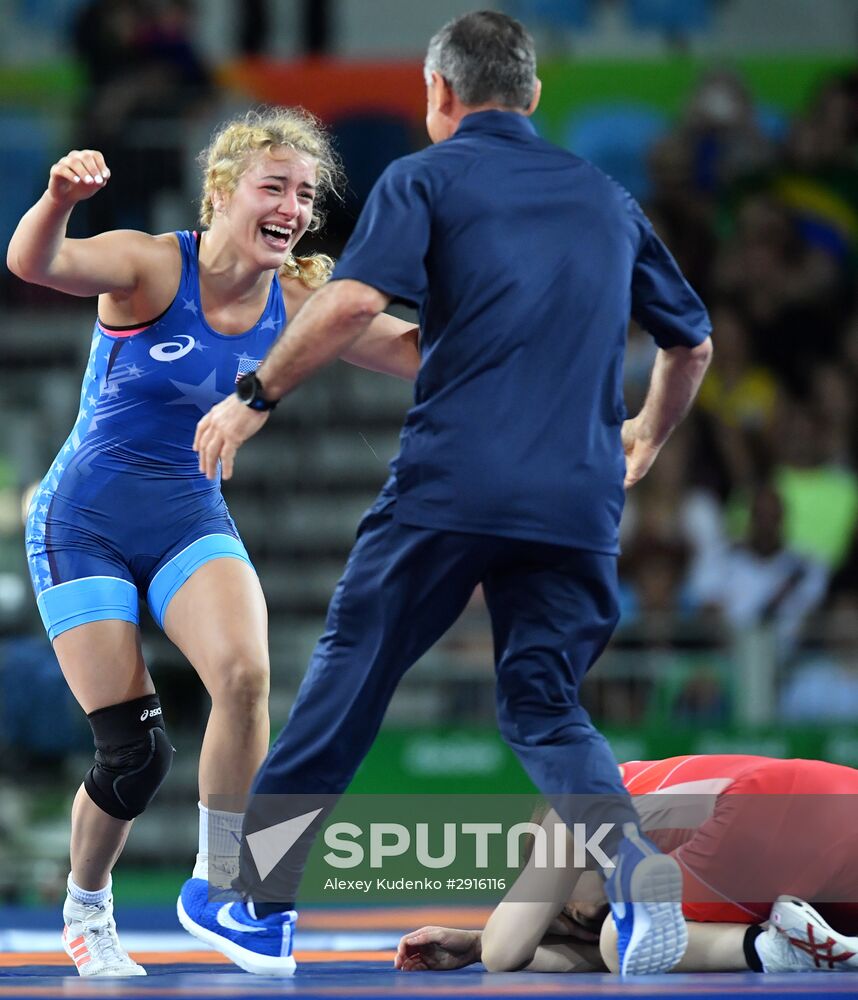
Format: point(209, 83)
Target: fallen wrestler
point(559, 921)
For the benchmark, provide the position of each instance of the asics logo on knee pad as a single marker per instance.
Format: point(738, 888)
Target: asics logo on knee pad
point(130, 761)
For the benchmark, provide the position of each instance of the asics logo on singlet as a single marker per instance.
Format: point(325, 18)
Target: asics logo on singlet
point(172, 350)
point(150, 713)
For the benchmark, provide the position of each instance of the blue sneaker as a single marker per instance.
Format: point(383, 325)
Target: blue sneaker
point(645, 892)
point(263, 947)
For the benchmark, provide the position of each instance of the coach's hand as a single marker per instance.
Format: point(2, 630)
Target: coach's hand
point(437, 949)
point(222, 431)
point(640, 452)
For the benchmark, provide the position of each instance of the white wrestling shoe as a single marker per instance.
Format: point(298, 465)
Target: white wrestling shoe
point(799, 940)
point(91, 942)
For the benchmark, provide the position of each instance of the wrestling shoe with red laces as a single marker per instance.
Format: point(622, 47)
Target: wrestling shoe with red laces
point(799, 940)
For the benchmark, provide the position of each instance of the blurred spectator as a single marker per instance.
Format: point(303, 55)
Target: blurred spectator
point(144, 78)
point(720, 128)
point(816, 179)
point(823, 686)
point(832, 401)
point(789, 293)
point(820, 496)
point(825, 134)
point(703, 700)
point(739, 393)
point(682, 217)
point(673, 521)
point(655, 567)
point(761, 580)
point(737, 405)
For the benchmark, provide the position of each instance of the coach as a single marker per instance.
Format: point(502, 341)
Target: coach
point(525, 263)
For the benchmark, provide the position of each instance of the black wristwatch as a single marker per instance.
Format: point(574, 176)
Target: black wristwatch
point(249, 390)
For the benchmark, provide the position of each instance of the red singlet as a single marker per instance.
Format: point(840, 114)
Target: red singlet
point(747, 829)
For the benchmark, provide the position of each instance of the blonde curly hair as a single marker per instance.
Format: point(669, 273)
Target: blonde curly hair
point(226, 157)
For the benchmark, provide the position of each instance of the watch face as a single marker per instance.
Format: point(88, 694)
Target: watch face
point(249, 391)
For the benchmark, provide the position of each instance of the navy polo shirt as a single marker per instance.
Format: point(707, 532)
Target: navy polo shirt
point(524, 262)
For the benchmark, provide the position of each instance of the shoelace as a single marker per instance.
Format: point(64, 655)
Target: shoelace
point(105, 945)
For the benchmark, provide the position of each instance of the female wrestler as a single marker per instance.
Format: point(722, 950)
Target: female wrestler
point(124, 509)
point(744, 829)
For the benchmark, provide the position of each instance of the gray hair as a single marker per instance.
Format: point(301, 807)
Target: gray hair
point(487, 58)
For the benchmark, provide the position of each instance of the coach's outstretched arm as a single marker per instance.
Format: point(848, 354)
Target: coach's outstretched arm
point(330, 323)
point(676, 377)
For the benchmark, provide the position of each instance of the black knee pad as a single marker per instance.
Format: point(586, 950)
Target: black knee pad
point(132, 756)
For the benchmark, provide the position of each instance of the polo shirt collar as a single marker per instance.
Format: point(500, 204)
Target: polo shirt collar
point(496, 122)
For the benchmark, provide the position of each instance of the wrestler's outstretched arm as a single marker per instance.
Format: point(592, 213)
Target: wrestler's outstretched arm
point(525, 930)
point(114, 262)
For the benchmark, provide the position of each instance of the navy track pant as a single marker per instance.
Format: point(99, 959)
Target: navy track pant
point(553, 609)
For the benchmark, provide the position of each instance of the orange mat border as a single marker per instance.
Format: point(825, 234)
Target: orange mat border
point(19, 959)
point(401, 918)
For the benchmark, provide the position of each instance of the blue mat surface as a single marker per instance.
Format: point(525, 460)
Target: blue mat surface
point(375, 979)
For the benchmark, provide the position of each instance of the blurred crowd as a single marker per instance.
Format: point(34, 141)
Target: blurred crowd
point(143, 79)
point(749, 516)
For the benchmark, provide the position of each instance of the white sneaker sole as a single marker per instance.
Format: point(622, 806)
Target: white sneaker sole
point(659, 934)
point(792, 916)
point(250, 961)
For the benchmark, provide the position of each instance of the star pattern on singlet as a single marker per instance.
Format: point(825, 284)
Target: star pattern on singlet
point(41, 502)
point(203, 396)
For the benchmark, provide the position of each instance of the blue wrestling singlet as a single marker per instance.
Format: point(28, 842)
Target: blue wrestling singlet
point(124, 509)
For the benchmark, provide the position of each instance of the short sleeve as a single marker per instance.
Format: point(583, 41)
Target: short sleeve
point(663, 302)
point(387, 249)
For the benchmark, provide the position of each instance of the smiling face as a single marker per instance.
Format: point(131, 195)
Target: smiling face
point(271, 206)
